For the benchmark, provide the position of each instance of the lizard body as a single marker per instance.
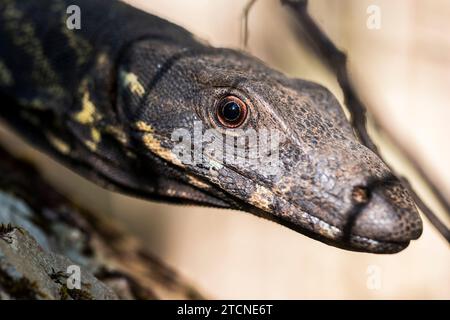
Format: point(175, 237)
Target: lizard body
point(105, 101)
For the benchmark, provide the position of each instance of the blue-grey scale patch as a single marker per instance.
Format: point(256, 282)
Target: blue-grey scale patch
point(17, 213)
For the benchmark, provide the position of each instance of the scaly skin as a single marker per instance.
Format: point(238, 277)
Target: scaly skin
point(105, 100)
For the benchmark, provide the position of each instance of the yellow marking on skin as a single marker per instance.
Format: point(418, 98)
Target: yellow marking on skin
point(102, 59)
point(87, 113)
point(154, 145)
point(91, 145)
point(82, 48)
point(118, 133)
point(142, 126)
point(130, 155)
point(59, 144)
point(37, 104)
point(96, 136)
point(131, 81)
point(262, 198)
point(34, 103)
point(6, 78)
point(197, 182)
point(77, 43)
point(23, 35)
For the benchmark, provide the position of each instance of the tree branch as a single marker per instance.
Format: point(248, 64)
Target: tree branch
point(42, 233)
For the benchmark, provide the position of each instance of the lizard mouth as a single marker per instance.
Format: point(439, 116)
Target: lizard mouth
point(384, 220)
point(376, 246)
point(324, 232)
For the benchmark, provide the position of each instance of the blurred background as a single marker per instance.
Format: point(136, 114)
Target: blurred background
point(401, 70)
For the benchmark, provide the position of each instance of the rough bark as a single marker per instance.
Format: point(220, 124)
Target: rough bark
point(42, 233)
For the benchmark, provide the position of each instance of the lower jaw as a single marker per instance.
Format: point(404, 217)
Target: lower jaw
point(358, 243)
point(350, 242)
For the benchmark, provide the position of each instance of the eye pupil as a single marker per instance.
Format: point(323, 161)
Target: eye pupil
point(231, 111)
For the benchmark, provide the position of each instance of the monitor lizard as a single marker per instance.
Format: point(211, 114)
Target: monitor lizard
point(105, 100)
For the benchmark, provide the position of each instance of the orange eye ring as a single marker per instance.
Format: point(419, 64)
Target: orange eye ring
point(231, 112)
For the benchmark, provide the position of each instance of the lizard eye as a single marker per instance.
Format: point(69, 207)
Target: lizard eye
point(231, 111)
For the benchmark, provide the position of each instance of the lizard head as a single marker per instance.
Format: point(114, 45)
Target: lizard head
point(227, 131)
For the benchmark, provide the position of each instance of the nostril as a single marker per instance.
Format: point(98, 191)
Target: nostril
point(360, 195)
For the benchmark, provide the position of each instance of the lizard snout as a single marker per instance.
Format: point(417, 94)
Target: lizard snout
point(383, 211)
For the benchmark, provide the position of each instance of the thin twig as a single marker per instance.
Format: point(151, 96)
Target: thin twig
point(336, 60)
point(434, 220)
point(244, 23)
